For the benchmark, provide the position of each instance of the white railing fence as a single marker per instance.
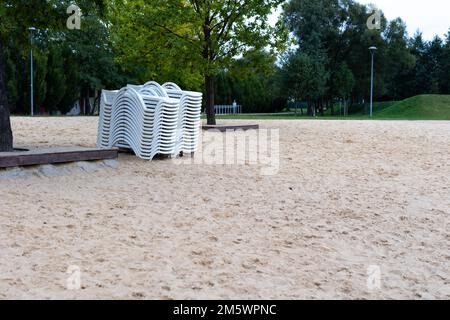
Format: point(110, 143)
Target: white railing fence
point(222, 110)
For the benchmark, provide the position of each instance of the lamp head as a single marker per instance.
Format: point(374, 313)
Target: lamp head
point(373, 49)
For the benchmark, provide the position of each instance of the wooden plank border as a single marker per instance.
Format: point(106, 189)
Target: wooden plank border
point(52, 156)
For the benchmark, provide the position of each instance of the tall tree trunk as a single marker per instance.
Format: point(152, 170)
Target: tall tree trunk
point(208, 57)
point(309, 110)
point(6, 137)
point(210, 113)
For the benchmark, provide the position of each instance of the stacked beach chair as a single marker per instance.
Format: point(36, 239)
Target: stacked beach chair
point(150, 120)
point(106, 103)
point(189, 117)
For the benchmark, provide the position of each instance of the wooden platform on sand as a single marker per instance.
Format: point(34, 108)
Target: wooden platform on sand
point(224, 128)
point(33, 157)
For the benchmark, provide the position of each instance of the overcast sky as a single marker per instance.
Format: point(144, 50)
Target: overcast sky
point(430, 16)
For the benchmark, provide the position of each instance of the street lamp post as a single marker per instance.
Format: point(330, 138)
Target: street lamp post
point(372, 49)
point(32, 31)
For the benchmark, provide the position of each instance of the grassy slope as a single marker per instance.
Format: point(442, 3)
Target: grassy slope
point(424, 107)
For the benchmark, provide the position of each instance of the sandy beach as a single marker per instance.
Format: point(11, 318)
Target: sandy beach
point(348, 195)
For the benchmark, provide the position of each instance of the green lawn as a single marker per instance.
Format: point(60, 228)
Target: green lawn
point(423, 107)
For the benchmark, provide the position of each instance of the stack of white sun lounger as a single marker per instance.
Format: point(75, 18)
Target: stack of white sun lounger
point(150, 119)
point(189, 117)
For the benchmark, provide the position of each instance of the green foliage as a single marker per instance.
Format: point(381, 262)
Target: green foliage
point(396, 60)
point(65, 61)
point(56, 76)
point(256, 93)
point(187, 40)
point(344, 82)
point(15, 74)
point(333, 40)
point(177, 38)
point(333, 33)
point(145, 51)
point(40, 74)
point(304, 78)
point(445, 70)
point(73, 89)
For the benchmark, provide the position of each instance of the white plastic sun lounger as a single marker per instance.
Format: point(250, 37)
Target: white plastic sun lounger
point(106, 102)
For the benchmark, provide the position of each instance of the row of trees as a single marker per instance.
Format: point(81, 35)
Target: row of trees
point(226, 48)
point(186, 41)
point(67, 65)
point(332, 61)
point(329, 63)
point(60, 61)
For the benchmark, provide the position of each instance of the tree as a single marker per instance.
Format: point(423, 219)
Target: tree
point(433, 58)
point(17, 16)
point(445, 75)
point(210, 34)
point(399, 61)
point(314, 23)
point(6, 138)
point(305, 79)
point(91, 51)
point(145, 52)
point(344, 83)
point(334, 34)
point(253, 83)
point(56, 78)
